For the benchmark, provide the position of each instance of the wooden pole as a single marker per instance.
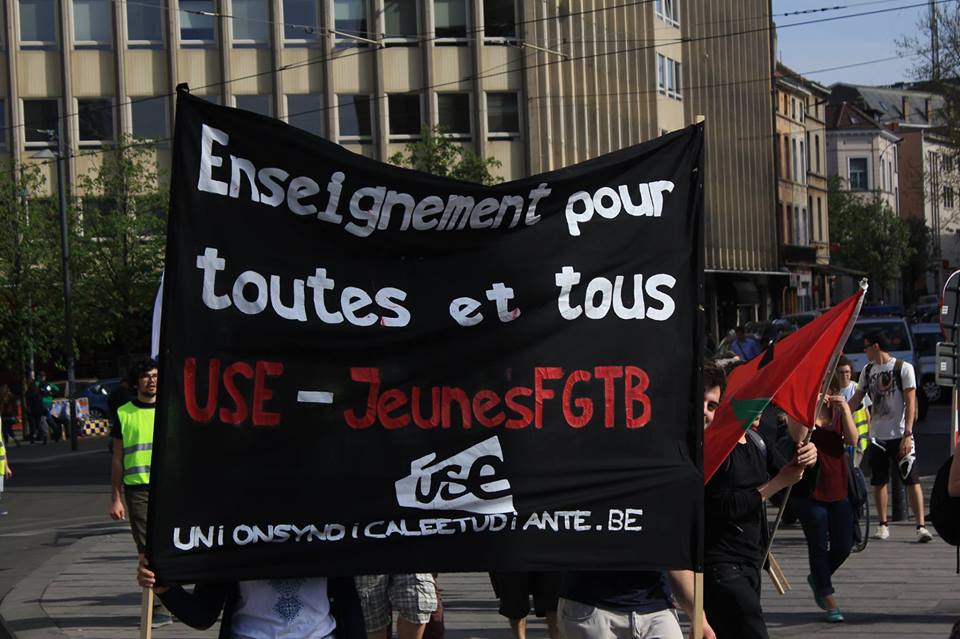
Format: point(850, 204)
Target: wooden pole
point(697, 605)
point(776, 575)
point(146, 614)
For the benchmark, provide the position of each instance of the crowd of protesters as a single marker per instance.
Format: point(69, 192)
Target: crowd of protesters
point(584, 605)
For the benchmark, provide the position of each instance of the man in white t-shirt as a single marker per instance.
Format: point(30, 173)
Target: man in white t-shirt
point(891, 386)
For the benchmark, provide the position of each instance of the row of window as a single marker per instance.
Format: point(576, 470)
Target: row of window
point(668, 77)
point(95, 117)
point(92, 22)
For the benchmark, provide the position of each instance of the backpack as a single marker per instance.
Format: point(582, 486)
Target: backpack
point(944, 509)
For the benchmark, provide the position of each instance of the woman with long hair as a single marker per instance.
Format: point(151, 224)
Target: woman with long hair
point(820, 499)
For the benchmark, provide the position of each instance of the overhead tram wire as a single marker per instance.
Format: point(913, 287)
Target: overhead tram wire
point(839, 7)
point(682, 40)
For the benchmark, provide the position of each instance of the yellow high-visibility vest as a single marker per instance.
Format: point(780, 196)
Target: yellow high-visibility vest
point(136, 427)
point(3, 458)
point(861, 418)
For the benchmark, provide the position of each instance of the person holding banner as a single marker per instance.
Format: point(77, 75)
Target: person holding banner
point(820, 498)
point(132, 455)
point(317, 608)
point(736, 532)
point(635, 605)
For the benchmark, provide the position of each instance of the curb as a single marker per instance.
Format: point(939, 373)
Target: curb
point(21, 614)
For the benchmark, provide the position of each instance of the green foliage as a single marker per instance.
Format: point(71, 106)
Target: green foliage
point(119, 257)
point(872, 237)
point(31, 299)
point(438, 154)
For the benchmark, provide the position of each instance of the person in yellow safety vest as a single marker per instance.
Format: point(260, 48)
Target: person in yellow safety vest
point(861, 416)
point(5, 471)
point(132, 438)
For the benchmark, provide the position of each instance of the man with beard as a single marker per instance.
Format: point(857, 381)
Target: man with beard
point(132, 453)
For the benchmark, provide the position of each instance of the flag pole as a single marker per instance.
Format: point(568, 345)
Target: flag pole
point(831, 369)
point(697, 605)
point(146, 614)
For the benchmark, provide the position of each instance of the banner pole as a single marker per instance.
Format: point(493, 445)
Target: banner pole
point(697, 605)
point(146, 614)
point(831, 369)
point(953, 419)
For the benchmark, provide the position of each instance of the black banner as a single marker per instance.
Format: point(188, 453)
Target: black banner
point(366, 369)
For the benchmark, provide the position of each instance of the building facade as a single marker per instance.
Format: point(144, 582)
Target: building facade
point(802, 214)
point(729, 80)
point(537, 86)
point(927, 171)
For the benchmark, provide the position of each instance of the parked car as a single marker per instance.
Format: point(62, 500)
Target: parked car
point(802, 319)
point(97, 394)
point(925, 337)
point(927, 308)
point(901, 346)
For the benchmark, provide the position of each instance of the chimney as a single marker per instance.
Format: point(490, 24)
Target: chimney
point(904, 105)
point(926, 108)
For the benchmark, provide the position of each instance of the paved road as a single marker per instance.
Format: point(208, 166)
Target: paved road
point(55, 497)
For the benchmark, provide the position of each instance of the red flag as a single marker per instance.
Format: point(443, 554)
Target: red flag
point(789, 374)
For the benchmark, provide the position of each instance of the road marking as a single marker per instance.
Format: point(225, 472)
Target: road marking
point(315, 397)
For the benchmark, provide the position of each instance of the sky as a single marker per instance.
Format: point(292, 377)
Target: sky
point(813, 47)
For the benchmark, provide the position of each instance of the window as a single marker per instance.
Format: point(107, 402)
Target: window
point(816, 142)
point(948, 197)
point(195, 27)
point(804, 227)
point(450, 18)
point(149, 118)
point(503, 116)
point(91, 21)
point(820, 235)
point(803, 165)
point(400, 20)
point(453, 113)
point(353, 113)
point(40, 116)
point(351, 18)
point(38, 22)
point(796, 163)
point(883, 175)
point(404, 114)
point(250, 21)
point(668, 77)
point(786, 157)
point(145, 21)
point(499, 19)
point(667, 10)
point(793, 108)
point(305, 112)
point(95, 118)
point(257, 103)
point(300, 20)
point(858, 174)
point(947, 164)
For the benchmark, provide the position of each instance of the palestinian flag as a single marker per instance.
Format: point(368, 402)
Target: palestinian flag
point(790, 374)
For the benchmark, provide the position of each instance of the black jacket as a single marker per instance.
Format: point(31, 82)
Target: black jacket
point(201, 608)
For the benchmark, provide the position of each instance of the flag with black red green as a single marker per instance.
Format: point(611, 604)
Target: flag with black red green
point(790, 374)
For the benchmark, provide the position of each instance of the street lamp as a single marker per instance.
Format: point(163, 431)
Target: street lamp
point(59, 155)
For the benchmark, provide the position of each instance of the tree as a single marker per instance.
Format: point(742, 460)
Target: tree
point(122, 207)
point(436, 153)
point(31, 295)
point(872, 237)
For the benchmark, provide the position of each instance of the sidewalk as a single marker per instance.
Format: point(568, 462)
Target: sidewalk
point(895, 588)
